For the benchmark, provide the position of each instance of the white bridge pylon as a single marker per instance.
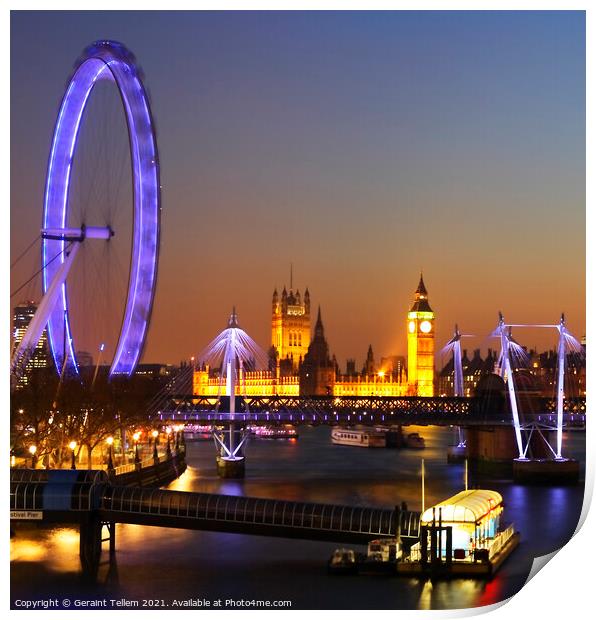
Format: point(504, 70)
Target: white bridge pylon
point(566, 344)
point(454, 345)
point(234, 350)
point(74, 237)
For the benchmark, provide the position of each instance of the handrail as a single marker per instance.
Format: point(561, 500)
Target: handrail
point(500, 541)
point(148, 462)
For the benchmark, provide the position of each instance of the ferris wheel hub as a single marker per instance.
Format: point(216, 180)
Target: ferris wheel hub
point(78, 234)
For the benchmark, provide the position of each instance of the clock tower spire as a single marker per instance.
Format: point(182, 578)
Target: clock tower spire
point(421, 344)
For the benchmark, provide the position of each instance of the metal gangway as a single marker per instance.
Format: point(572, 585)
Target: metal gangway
point(250, 515)
point(73, 495)
point(90, 500)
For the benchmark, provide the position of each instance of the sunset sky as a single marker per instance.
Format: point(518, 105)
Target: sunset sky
point(361, 147)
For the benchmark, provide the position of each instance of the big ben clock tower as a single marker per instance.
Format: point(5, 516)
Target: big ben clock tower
point(421, 345)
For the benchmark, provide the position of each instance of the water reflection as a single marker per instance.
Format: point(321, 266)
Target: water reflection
point(170, 563)
point(57, 548)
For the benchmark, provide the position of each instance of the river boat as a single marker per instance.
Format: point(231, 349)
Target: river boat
point(198, 432)
point(343, 562)
point(461, 536)
point(381, 558)
point(363, 438)
point(285, 431)
point(415, 441)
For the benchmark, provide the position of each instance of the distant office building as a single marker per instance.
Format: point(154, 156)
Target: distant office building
point(22, 315)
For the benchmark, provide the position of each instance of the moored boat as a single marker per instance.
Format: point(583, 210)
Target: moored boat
point(381, 558)
point(462, 535)
point(343, 562)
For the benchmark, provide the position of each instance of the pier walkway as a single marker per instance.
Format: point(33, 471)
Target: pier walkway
point(63, 496)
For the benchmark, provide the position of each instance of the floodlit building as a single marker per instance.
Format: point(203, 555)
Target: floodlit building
point(22, 315)
point(421, 344)
point(302, 364)
point(290, 327)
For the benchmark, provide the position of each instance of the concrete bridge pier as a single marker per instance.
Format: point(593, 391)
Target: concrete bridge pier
point(493, 451)
point(230, 443)
point(458, 452)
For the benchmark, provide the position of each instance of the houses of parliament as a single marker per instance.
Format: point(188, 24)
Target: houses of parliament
point(300, 362)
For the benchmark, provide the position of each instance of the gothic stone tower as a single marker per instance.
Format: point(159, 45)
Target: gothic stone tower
point(317, 372)
point(290, 325)
point(421, 344)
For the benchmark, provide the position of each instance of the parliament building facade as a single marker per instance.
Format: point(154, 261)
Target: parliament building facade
point(300, 362)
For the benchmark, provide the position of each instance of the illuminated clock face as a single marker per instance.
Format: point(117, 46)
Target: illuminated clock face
point(425, 327)
point(412, 327)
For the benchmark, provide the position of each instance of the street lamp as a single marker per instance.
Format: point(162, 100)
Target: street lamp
point(110, 442)
point(32, 451)
point(155, 435)
point(169, 447)
point(72, 445)
point(136, 436)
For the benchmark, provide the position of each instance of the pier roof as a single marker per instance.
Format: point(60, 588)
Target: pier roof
point(465, 507)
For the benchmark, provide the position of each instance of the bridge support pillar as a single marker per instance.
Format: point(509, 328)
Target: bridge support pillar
point(90, 545)
point(491, 450)
point(230, 445)
point(111, 539)
point(230, 468)
point(458, 453)
point(546, 471)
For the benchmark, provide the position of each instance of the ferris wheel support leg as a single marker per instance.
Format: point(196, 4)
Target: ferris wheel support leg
point(40, 318)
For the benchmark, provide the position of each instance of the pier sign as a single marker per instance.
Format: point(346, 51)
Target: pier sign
point(26, 515)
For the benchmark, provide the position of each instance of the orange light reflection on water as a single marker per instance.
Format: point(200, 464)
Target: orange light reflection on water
point(58, 548)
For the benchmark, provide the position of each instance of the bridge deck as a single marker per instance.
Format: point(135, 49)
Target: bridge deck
point(249, 515)
point(370, 418)
point(70, 499)
point(365, 410)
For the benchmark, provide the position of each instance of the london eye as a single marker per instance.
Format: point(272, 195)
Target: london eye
point(101, 218)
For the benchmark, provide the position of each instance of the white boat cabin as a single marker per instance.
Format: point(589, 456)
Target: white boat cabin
point(473, 518)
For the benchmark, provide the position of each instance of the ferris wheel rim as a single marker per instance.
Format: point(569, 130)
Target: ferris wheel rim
point(113, 61)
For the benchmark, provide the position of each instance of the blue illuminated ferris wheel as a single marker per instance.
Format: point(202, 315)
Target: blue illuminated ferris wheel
point(63, 236)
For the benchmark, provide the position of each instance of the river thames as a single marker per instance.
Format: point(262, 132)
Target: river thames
point(167, 565)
